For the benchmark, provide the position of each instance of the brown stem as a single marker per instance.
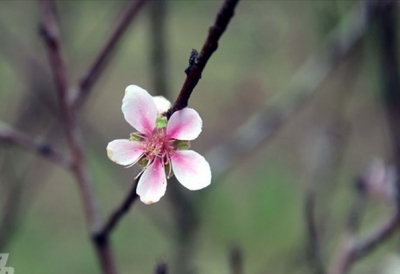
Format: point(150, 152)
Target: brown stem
point(13, 136)
point(103, 233)
point(97, 67)
point(196, 68)
point(50, 33)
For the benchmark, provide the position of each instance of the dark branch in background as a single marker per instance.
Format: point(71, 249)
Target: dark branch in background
point(161, 268)
point(224, 16)
point(262, 126)
point(358, 249)
point(326, 148)
point(345, 256)
point(12, 136)
point(313, 250)
point(51, 36)
point(236, 260)
point(101, 236)
point(100, 61)
point(387, 19)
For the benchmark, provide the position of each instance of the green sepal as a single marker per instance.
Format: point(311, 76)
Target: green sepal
point(161, 122)
point(143, 162)
point(182, 144)
point(135, 137)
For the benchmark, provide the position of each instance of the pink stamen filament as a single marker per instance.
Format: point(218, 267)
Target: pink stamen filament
point(156, 146)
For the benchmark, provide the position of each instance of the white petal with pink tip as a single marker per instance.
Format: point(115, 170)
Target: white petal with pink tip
point(153, 183)
point(184, 124)
point(124, 152)
point(139, 109)
point(162, 104)
point(191, 169)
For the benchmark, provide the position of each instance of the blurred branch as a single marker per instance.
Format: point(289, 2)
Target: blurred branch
point(346, 253)
point(236, 260)
point(262, 126)
point(354, 250)
point(198, 63)
point(322, 153)
point(313, 237)
point(97, 67)
point(387, 19)
point(12, 136)
point(50, 33)
point(161, 268)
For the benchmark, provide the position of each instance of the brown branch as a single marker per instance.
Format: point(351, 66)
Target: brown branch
point(13, 136)
point(101, 236)
point(196, 67)
point(50, 33)
point(226, 12)
point(98, 65)
point(387, 19)
point(354, 250)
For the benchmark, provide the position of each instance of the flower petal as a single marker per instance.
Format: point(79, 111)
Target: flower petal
point(124, 152)
point(184, 124)
point(139, 109)
point(162, 104)
point(153, 183)
point(191, 169)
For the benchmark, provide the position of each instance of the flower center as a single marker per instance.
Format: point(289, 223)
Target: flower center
point(158, 146)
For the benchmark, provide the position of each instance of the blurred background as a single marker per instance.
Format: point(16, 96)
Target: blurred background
point(292, 112)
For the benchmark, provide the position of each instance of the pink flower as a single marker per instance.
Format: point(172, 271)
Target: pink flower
point(159, 146)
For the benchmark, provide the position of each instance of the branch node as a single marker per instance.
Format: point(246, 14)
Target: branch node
point(193, 59)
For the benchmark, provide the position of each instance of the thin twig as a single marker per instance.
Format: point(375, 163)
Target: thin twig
point(346, 252)
point(13, 136)
point(354, 250)
point(97, 67)
point(103, 233)
point(194, 73)
point(314, 250)
point(50, 33)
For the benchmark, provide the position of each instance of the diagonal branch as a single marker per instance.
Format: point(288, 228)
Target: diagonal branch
point(13, 136)
point(194, 75)
point(101, 236)
point(199, 62)
point(50, 33)
point(98, 65)
point(354, 250)
point(262, 126)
